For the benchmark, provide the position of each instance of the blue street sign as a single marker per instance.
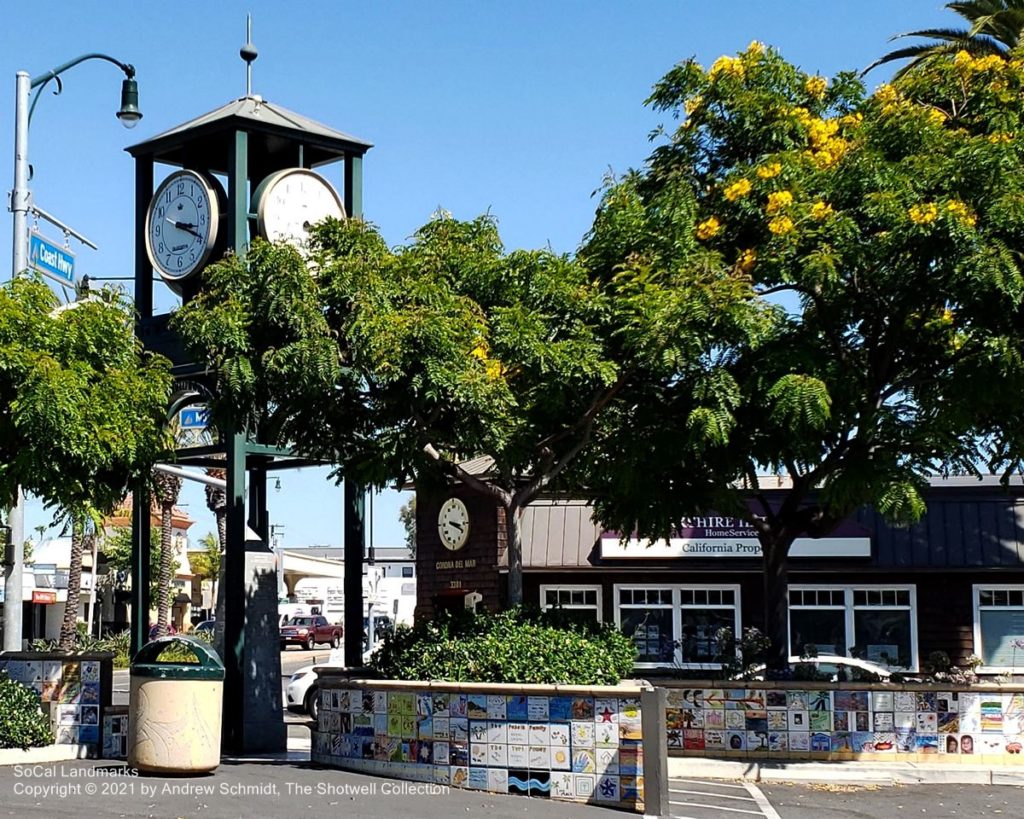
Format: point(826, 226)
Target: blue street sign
point(51, 260)
point(194, 418)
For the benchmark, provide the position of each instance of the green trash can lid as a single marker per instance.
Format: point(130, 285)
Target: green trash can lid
point(146, 663)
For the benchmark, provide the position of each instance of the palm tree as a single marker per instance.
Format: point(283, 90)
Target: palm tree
point(996, 27)
point(69, 626)
point(167, 488)
point(217, 502)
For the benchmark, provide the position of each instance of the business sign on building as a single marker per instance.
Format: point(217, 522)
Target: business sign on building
point(717, 536)
point(44, 597)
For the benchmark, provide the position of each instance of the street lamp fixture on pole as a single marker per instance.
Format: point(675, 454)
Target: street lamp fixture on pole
point(21, 203)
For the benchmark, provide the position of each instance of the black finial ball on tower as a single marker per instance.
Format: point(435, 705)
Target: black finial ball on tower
point(248, 52)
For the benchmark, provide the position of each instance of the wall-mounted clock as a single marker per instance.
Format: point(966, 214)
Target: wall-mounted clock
point(288, 203)
point(453, 524)
point(182, 224)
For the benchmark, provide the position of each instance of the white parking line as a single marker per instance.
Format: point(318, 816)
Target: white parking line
point(716, 795)
point(716, 807)
point(712, 791)
point(762, 802)
point(714, 782)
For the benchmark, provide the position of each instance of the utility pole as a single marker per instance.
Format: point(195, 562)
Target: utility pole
point(276, 530)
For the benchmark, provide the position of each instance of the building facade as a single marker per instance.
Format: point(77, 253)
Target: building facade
point(952, 583)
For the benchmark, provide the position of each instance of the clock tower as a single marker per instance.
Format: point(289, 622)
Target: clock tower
point(247, 168)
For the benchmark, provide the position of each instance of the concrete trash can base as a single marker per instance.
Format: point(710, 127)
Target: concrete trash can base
point(174, 712)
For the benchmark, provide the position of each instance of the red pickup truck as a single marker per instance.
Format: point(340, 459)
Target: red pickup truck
point(309, 630)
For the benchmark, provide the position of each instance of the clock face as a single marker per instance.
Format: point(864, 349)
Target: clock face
point(290, 202)
point(181, 224)
point(453, 524)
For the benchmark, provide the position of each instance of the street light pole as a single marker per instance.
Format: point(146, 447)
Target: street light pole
point(21, 203)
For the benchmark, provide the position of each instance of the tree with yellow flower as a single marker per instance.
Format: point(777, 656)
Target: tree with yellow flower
point(883, 234)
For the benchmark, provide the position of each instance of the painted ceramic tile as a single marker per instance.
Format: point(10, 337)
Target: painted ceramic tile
point(799, 720)
point(713, 719)
point(607, 760)
point(495, 706)
point(441, 729)
point(354, 703)
point(714, 698)
point(885, 741)
point(631, 760)
point(584, 785)
point(799, 741)
point(606, 710)
point(540, 783)
point(558, 734)
point(851, 700)
point(1013, 715)
point(386, 749)
point(399, 702)
point(497, 780)
point(607, 789)
point(497, 731)
point(693, 739)
point(819, 701)
point(1014, 743)
point(796, 700)
point(905, 719)
point(949, 744)
point(52, 671)
point(458, 729)
point(736, 740)
point(89, 734)
point(34, 671)
point(68, 715)
point(67, 735)
point(926, 701)
point(478, 753)
point(692, 698)
point(841, 720)
point(582, 708)
point(775, 699)
point(758, 724)
point(518, 733)
point(424, 728)
point(821, 720)
point(905, 740)
point(926, 743)
point(734, 697)
point(949, 722)
point(442, 775)
point(735, 719)
point(560, 709)
point(458, 753)
point(408, 726)
point(540, 757)
point(754, 700)
point(989, 744)
point(477, 731)
point(677, 697)
point(862, 741)
point(518, 756)
point(714, 739)
point(992, 714)
point(497, 754)
point(440, 704)
point(424, 752)
point(882, 701)
point(629, 708)
point(970, 712)
point(757, 740)
point(51, 691)
point(517, 708)
point(476, 707)
point(560, 759)
point(583, 761)
point(540, 734)
point(424, 704)
point(821, 743)
point(562, 786)
point(862, 721)
point(690, 718)
point(459, 776)
point(631, 788)
point(778, 741)
point(674, 737)
point(946, 701)
point(537, 708)
point(582, 734)
point(457, 705)
point(904, 701)
point(630, 731)
point(519, 781)
point(778, 720)
point(606, 734)
point(70, 690)
point(367, 702)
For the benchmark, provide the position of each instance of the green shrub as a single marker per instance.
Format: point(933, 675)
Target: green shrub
point(514, 646)
point(22, 722)
point(117, 643)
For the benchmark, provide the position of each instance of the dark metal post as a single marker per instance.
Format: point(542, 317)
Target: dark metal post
point(355, 513)
point(143, 268)
point(141, 525)
point(234, 595)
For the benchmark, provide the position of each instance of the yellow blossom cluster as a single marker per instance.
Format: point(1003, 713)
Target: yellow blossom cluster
point(826, 145)
point(693, 104)
point(708, 228)
point(778, 201)
point(780, 225)
point(729, 66)
point(747, 259)
point(962, 212)
point(991, 62)
point(737, 190)
point(851, 120)
point(493, 368)
point(821, 211)
point(815, 86)
point(769, 171)
point(947, 316)
point(1000, 137)
point(924, 214)
point(480, 351)
point(755, 49)
point(937, 116)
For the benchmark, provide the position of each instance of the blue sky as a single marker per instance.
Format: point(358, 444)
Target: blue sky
point(517, 108)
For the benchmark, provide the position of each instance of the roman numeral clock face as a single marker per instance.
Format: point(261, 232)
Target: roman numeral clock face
point(181, 224)
point(453, 524)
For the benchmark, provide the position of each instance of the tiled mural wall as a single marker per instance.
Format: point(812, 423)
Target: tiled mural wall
point(70, 687)
point(580, 747)
point(888, 723)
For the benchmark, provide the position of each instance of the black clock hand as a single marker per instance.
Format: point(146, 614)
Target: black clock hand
point(456, 525)
point(188, 227)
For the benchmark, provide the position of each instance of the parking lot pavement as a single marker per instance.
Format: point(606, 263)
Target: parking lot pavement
point(714, 799)
point(254, 788)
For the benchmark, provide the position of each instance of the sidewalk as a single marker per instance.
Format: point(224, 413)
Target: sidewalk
point(852, 773)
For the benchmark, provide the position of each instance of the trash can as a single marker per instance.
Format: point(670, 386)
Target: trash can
point(174, 710)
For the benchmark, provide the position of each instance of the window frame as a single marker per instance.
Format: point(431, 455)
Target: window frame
point(976, 607)
point(571, 587)
point(677, 616)
point(849, 608)
point(411, 570)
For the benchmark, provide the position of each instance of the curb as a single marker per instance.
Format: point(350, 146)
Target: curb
point(43, 755)
point(853, 773)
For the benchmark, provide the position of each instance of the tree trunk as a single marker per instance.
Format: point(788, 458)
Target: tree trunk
point(514, 553)
point(69, 626)
point(776, 600)
point(164, 583)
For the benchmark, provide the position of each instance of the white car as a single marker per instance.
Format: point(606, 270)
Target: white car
point(301, 692)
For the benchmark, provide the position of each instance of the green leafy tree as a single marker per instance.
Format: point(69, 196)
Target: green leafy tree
point(996, 27)
point(206, 563)
point(117, 546)
point(407, 517)
point(887, 229)
point(82, 407)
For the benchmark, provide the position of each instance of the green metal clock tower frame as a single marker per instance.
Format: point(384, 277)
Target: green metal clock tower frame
point(241, 143)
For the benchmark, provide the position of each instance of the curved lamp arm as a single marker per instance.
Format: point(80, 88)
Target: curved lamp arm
point(129, 113)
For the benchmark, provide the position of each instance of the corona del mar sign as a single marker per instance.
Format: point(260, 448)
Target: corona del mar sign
point(718, 536)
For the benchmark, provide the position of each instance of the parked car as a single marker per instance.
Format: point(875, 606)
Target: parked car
point(302, 692)
point(309, 630)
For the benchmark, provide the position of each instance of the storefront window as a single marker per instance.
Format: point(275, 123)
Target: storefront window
point(874, 623)
point(999, 627)
point(582, 602)
point(677, 625)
